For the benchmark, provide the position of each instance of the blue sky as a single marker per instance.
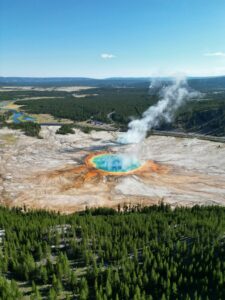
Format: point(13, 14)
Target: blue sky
point(104, 38)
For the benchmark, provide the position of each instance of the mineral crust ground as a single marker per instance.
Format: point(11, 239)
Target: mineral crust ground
point(57, 172)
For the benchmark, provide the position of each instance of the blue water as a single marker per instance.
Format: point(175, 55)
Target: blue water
point(25, 118)
point(114, 163)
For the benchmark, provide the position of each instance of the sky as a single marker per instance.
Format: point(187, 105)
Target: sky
point(107, 38)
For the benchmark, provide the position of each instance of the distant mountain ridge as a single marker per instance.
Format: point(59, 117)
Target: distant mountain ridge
point(201, 83)
point(72, 81)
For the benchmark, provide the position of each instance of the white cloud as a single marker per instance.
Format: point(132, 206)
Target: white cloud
point(215, 54)
point(107, 56)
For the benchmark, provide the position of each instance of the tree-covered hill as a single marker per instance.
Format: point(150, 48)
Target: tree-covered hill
point(204, 115)
point(98, 104)
point(148, 253)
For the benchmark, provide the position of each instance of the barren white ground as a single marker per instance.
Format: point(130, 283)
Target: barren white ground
point(196, 171)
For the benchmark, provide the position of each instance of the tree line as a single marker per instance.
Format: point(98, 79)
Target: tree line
point(129, 253)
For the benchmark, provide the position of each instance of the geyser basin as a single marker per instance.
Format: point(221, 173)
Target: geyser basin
point(114, 164)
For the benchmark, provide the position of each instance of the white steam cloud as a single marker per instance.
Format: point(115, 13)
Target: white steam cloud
point(172, 97)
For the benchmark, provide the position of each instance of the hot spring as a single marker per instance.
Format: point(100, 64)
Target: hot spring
point(114, 163)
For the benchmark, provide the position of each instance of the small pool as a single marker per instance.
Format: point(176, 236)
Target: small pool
point(19, 117)
point(115, 163)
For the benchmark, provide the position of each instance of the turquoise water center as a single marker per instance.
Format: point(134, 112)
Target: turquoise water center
point(115, 163)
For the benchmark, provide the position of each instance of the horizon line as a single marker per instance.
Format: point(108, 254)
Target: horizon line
point(112, 77)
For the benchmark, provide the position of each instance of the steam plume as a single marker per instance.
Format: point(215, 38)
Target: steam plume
point(172, 97)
